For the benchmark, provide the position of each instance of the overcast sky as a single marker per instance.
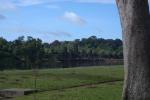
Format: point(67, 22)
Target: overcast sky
point(59, 19)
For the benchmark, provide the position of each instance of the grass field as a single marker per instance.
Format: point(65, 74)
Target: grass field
point(82, 83)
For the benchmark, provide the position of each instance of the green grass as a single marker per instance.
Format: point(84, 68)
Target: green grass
point(98, 92)
point(58, 83)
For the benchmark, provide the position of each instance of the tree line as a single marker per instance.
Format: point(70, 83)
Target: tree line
point(29, 52)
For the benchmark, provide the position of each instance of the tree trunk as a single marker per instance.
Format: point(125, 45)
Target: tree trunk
point(135, 21)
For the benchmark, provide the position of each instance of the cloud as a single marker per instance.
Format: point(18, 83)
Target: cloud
point(53, 6)
point(26, 30)
point(2, 17)
point(37, 2)
point(60, 33)
point(29, 2)
point(74, 18)
point(6, 5)
point(97, 1)
point(13, 4)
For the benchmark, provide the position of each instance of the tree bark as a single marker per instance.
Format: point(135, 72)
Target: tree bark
point(135, 22)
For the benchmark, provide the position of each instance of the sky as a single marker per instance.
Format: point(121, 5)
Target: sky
point(61, 20)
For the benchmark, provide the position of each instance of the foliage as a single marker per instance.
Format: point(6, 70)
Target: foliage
point(28, 53)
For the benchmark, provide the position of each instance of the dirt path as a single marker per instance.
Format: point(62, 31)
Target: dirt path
point(90, 85)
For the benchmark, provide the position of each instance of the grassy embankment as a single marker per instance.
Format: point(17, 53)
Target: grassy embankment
point(90, 83)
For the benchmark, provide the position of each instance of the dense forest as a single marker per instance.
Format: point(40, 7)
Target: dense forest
point(29, 52)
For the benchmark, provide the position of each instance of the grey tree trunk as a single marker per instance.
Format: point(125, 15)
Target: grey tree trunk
point(135, 21)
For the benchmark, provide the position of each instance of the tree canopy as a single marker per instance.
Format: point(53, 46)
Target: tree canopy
point(26, 53)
